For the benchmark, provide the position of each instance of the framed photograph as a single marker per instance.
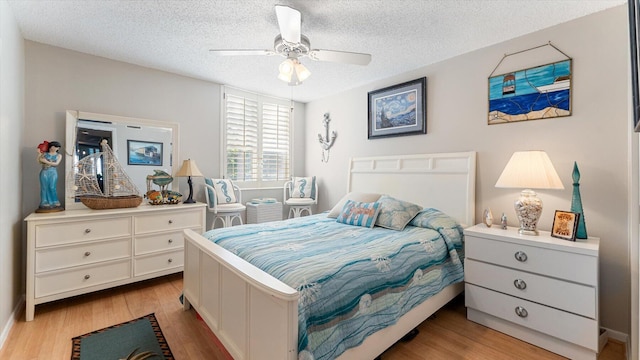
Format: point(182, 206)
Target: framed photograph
point(398, 110)
point(565, 224)
point(540, 92)
point(144, 153)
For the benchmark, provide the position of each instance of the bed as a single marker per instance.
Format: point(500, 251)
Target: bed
point(255, 315)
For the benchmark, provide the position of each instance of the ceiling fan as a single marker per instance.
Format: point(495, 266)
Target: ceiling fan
point(291, 44)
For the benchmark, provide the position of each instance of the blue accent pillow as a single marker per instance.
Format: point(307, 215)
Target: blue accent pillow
point(303, 187)
point(395, 214)
point(359, 213)
point(224, 191)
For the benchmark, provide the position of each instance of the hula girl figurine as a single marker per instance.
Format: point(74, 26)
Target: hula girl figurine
point(49, 158)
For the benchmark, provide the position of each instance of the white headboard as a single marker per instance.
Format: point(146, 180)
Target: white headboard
point(445, 181)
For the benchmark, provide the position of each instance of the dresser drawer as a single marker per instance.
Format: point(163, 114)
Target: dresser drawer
point(563, 325)
point(160, 242)
point(81, 254)
point(159, 262)
point(560, 264)
point(168, 221)
point(77, 278)
point(72, 232)
point(572, 297)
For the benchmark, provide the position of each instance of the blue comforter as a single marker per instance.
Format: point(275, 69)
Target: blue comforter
point(353, 281)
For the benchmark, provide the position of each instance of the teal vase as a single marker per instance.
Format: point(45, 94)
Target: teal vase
point(576, 203)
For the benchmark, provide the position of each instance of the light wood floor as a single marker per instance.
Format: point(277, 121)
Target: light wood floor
point(447, 335)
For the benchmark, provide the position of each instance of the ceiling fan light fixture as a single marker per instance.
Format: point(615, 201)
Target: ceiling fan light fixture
point(286, 70)
point(302, 72)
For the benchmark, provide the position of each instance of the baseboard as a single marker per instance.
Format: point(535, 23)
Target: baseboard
point(621, 337)
point(17, 311)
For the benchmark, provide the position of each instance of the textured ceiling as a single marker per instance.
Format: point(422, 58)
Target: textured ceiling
point(175, 36)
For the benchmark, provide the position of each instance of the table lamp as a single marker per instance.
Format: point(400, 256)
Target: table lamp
point(189, 169)
point(529, 170)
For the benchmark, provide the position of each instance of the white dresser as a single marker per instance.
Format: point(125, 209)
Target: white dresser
point(79, 251)
point(540, 289)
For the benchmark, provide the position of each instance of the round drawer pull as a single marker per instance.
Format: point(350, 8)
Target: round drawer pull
point(522, 312)
point(520, 256)
point(87, 253)
point(170, 221)
point(170, 260)
point(519, 284)
point(170, 241)
point(86, 231)
point(87, 277)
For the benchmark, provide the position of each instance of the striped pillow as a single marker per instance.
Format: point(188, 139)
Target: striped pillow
point(359, 213)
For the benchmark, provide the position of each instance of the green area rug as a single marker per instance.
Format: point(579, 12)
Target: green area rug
point(118, 341)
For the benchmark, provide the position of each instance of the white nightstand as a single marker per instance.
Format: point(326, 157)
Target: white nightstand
point(540, 289)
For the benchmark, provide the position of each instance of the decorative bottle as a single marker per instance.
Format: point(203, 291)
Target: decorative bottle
point(576, 203)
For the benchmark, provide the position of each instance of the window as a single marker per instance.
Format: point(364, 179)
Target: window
point(256, 133)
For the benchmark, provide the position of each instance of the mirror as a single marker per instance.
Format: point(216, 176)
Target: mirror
point(140, 145)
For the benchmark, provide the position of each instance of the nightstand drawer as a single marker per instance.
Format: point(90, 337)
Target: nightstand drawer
point(61, 257)
point(563, 325)
point(560, 264)
point(572, 297)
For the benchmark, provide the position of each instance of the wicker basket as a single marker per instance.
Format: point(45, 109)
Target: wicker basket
point(115, 202)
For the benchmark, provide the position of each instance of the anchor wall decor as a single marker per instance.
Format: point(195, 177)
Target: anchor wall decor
point(327, 142)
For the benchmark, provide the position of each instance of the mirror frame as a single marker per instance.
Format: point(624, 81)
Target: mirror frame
point(70, 144)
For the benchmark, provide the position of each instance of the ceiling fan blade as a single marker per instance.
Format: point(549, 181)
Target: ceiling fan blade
point(340, 56)
point(242, 52)
point(289, 20)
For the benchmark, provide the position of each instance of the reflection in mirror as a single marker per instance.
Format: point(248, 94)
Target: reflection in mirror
point(126, 136)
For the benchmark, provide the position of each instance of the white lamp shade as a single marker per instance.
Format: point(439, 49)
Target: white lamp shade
point(529, 170)
point(189, 168)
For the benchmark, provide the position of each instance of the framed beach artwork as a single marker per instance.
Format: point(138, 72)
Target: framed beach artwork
point(540, 92)
point(398, 110)
point(144, 153)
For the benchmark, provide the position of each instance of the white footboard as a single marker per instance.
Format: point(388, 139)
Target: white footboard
point(254, 315)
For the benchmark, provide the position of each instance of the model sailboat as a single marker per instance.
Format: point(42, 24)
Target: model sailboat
point(102, 183)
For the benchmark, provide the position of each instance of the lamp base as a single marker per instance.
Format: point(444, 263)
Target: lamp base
point(190, 198)
point(528, 209)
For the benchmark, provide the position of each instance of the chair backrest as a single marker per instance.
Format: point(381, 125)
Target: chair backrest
point(212, 197)
point(287, 190)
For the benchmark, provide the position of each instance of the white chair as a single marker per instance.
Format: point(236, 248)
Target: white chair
point(297, 206)
point(225, 212)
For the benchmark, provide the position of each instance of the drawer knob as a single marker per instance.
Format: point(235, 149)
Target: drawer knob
point(170, 260)
point(87, 253)
point(87, 277)
point(520, 256)
point(170, 221)
point(86, 231)
point(519, 284)
point(170, 241)
point(522, 312)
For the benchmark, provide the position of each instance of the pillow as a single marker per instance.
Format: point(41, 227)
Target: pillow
point(395, 214)
point(435, 219)
point(359, 213)
point(304, 187)
point(224, 190)
point(355, 196)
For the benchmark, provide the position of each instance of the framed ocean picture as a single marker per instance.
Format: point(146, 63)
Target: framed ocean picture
point(398, 110)
point(540, 92)
point(144, 153)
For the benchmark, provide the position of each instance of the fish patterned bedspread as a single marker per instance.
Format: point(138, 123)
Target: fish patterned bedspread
point(353, 281)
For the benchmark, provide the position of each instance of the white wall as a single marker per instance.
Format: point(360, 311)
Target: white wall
point(58, 79)
point(11, 130)
point(596, 135)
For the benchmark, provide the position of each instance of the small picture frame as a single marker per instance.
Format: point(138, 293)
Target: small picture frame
point(140, 152)
point(565, 224)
